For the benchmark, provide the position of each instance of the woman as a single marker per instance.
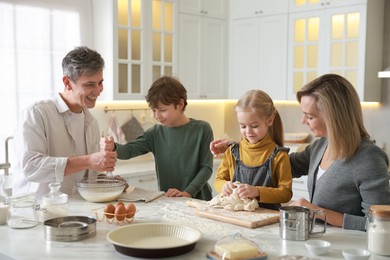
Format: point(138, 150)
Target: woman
point(347, 173)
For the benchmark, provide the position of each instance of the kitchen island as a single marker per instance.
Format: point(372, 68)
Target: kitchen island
point(31, 243)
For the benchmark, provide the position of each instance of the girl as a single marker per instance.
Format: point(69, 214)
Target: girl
point(259, 162)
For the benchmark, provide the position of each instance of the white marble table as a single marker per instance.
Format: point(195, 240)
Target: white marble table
point(31, 243)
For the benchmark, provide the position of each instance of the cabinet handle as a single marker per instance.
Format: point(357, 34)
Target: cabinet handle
point(146, 179)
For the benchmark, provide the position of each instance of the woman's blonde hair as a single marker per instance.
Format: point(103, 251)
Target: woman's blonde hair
point(339, 104)
point(260, 102)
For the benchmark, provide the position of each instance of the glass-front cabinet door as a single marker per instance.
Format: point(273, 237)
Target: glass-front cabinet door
point(162, 38)
point(144, 37)
point(336, 40)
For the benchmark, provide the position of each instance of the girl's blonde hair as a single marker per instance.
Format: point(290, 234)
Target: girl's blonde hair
point(260, 102)
point(338, 102)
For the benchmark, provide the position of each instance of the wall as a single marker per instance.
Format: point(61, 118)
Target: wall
point(212, 111)
point(377, 121)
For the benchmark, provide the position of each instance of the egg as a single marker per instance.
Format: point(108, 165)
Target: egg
point(119, 203)
point(130, 209)
point(120, 212)
point(109, 210)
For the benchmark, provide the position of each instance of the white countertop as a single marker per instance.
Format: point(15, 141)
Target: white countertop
point(31, 243)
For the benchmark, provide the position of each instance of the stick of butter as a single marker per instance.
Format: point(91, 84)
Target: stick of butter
point(235, 250)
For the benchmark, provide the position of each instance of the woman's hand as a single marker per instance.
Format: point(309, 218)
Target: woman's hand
point(304, 203)
point(219, 146)
point(177, 193)
point(332, 217)
point(107, 144)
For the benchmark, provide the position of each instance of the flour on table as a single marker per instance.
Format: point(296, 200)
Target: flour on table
point(255, 216)
point(203, 225)
point(233, 202)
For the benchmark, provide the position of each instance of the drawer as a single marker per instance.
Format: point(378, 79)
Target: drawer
point(299, 187)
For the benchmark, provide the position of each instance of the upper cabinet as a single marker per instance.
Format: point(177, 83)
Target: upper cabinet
point(310, 5)
point(331, 38)
point(255, 8)
point(259, 31)
point(209, 8)
point(203, 48)
point(144, 45)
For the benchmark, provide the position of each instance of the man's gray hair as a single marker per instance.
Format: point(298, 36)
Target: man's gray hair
point(81, 61)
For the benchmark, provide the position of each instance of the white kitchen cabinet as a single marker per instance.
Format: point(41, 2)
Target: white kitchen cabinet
point(299, 187)
point(259, 55)
point(311, 5)
point(145, 45)
point(255, 8)
point(209, 8)
point(216, 164)
point(146, 181)
point(342, 40)
point(202, 56)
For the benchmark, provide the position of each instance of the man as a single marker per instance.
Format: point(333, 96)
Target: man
point(57, 140)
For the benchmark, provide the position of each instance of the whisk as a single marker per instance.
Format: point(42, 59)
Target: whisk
point(109, 175)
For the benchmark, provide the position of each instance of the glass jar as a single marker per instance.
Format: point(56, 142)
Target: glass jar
point(22, 211)
point(54, 203)
point(379, 229)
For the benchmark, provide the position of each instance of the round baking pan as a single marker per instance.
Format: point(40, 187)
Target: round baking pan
point(154, 240)
point(70, 228)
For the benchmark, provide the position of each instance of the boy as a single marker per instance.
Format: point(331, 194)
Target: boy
point(180, 145)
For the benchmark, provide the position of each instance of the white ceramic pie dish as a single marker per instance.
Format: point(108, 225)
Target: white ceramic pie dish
point(154, 240)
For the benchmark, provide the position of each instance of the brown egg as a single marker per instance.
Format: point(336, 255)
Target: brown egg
point(130, 209)
point(109, 210)
point(119, 203)
point(120, 212)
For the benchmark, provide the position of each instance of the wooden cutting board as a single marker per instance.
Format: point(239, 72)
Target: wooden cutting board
point(257, 218)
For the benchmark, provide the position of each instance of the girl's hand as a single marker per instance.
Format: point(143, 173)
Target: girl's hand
point(227, 189)
point(246, 191)
point(219, 146)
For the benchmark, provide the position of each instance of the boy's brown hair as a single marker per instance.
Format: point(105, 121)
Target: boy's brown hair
point(167, 90)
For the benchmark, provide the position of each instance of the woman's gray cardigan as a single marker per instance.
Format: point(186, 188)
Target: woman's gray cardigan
point(348, 186)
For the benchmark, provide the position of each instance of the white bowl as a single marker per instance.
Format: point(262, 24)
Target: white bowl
point(317, 247)
point(356, 254)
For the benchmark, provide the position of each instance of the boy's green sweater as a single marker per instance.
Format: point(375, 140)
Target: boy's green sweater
point(182, 156)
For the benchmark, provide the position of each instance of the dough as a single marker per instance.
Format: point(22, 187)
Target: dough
point(234, 202)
